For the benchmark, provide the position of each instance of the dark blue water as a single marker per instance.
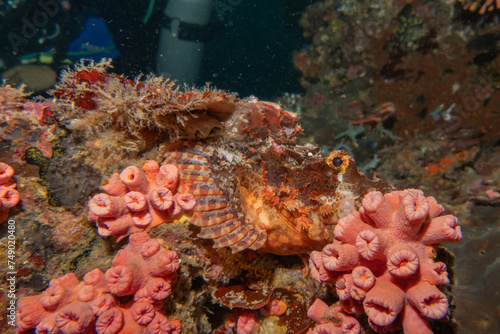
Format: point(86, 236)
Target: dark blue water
point(254, 56)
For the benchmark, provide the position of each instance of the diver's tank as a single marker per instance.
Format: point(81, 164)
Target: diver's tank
point(180, 49)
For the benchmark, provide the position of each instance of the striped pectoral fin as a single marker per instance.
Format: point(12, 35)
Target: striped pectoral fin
point(219, 230)
point(210, 203)
point(246, 242)
point(201, 189)
point(233, 237)
point(185, 158)
point(191, 177)
point(194, 168)
point(210, 218)
point(215, 212)
point(207, 192)
point(244, 237)
point(214, 221)
point(260, 242)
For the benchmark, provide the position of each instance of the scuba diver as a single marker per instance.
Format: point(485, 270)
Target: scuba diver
point(41, 37)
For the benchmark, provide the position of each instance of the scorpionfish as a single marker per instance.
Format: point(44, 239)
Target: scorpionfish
point(257, 189)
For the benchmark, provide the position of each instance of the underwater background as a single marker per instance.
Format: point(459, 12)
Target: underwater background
point(235, 166)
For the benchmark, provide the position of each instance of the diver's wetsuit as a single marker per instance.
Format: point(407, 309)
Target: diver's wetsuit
point(51, 25)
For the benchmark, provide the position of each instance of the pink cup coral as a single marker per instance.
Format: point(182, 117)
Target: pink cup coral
point(382, 260)
point(248, 323)
point(143, 264)
point(138, 200)
point(9, 196)
point(142, 269)
point(332, 320)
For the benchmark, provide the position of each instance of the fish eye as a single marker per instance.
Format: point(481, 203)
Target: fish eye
point(338, 161)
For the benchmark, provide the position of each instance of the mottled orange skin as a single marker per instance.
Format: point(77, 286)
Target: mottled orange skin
point(298, 205)
point(288, 231)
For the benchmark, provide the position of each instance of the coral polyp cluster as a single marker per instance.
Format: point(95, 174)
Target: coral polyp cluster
point(142, 269)
point(137, 200)
point(9, 196)
point(382, 260)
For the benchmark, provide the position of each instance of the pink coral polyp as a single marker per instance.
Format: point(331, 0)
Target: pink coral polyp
point(120, 280)
point(52, 297)
point(331, 319)
point(402, 261)
point(248, 323)
point(110, 322)
point(143, 313)
point(162, 198)
point(135, 201)
point(9, 196)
